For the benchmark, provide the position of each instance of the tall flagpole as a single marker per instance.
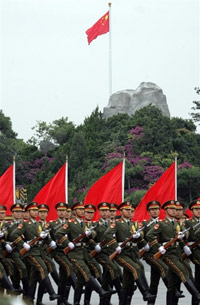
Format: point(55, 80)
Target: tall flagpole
point(123, 177)
point(66, 180)
point(14, 201)
point(110, 52)
point(175, 156)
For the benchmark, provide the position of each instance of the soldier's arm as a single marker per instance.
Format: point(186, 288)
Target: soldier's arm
point(61, 236)
point(16, 234)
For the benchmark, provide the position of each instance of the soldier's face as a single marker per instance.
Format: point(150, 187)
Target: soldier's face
point(89, 215)
point(179, 213)
point(68, 214)
point(33, 213)
point(196, 212)
point(154, 212)
point(113, 214)
point(80, 212)
point(42, 215)
point(105, 214)
point(17, 215)
point(126, 213)
point(2, 215)
point(171, 212)
point(61, 213)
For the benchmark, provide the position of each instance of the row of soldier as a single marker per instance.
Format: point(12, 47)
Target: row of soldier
point(102, 256)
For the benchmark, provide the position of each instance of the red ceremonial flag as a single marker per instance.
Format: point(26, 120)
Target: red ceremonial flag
point(108, 188)
point(162, 191)
point(99, 28)
point(53, 192)
point(7, 188)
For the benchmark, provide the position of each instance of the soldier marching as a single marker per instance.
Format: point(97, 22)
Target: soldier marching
point(103, 256)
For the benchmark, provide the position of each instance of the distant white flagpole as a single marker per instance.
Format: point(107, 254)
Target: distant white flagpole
point(14, 180)
point(66, 180)
point(175, 155)
point(123, 177)
point(110, 52)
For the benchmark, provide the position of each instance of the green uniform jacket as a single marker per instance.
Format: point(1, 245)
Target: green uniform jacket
point(29, 230)
point(122, 231)
point(164, 231)
point(194, 235)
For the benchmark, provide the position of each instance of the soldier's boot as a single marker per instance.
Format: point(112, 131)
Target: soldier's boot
point(189, 284)
point(129, 296)
point(40, 295)
point(123, 296)
point(31, 292)
point(96, 287)
point(61, 291)
point(25, 282)
point(8, 285)
point(144, 289)
point(77, 295)
point(72, 280)
point(66, 295)
point(117, 284)
point(47, 284)
point(55, 277)
point(170, 298)
point(194, 302)
point(87, 296)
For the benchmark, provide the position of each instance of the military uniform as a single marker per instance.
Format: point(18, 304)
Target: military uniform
point(128, 257)
point(158, 267)
point(164, 231)
point(33, 256)
point(6, 267)
point(193, 237)
point(20, 272)
point(77, 255)
point(66, 274)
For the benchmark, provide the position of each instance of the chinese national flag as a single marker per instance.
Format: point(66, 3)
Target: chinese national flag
point(99, 28)
point(108, 188)
point(7, 188)
point(162, 191)
point(53, 192)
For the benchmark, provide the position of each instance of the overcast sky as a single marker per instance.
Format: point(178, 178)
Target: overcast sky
point(48, 71)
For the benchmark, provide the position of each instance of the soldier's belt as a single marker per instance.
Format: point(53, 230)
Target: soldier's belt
point(80, 244)
point(129, 244)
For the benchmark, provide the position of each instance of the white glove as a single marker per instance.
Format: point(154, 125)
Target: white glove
point(26, 246)
point(71, 245)
point(98, 248)
point(1, 234)
point(146, 247)
point(136, 235)
point(8, 248)
point(53, 245)
point(118, 249)
point(187, 250)
point(162, 250)
point(66, 235)
point(43, 234)
point(181, 235)
point(88, 232)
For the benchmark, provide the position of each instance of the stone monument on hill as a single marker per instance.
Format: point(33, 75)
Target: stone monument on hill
point(129, 101)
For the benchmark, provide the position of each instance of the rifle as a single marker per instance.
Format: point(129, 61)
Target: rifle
point(35, 240)
point(49, 249)
point(13, 245)
point(158, 254)
point(77, 239)
point(114, 254)
point(94, 252)
point(194, 245)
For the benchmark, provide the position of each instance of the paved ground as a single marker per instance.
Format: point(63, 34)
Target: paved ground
point(136, 300)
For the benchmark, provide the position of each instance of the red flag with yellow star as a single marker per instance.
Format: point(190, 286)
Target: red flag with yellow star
point(99, 28)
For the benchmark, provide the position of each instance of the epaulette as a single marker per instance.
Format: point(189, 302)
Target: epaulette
point(71, 220)
point(29, 223)
point(193, 220)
